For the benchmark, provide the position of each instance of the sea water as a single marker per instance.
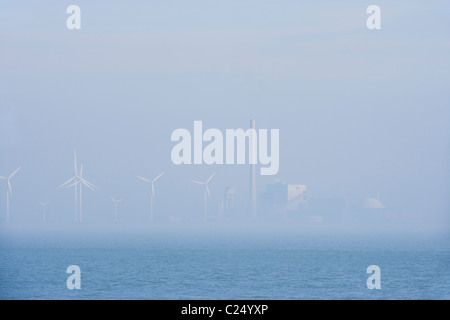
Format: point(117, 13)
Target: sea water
point(164, 262)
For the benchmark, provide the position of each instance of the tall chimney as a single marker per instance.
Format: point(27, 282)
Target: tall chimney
point(253, 150)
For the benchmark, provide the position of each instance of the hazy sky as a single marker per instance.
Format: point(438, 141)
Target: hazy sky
point(359, 111)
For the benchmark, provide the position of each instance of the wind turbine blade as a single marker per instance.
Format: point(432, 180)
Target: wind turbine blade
point(12, 174)
point(10, 189)
point(112, 199)
point(65, 183)
point(75, 161)
point(197, 182)
point(3, 178)
point(207, 190)
point(88, 184)
point(73, 184)
point(85, 184)
point(159, 176)
point(143, 179)
point(153, 190)
point(210, 177)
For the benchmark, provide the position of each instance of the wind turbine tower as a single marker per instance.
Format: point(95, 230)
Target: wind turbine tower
point(44, 210)
point(116, 203)
point(83, 182)
point(77, 181)
point(152, 196)
point(9, 191)
point(206, 189)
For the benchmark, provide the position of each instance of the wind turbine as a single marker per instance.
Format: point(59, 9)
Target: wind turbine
point(44, 210)
point(152, 197)
point(9, 191)
point(77, 181)
point(206, 188)
point(83, 182)
point(116, 203)
point(74, 181)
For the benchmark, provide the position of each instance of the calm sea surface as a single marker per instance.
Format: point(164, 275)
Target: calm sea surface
point(221, 264)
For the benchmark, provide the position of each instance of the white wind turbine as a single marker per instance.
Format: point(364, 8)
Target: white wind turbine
point(83, 182)
point(75, 181)
point(152, 197)
point(206, 188)
point(116, 203)
point(9, 191)
point(44, 210)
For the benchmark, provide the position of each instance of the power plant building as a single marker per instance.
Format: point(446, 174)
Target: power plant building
point(279, 194)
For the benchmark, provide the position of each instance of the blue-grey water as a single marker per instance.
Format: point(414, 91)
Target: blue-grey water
point(221, 263)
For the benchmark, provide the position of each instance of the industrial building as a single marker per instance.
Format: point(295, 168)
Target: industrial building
point(281, 198)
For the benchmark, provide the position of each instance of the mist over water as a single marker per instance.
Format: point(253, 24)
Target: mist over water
point(359, 112)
